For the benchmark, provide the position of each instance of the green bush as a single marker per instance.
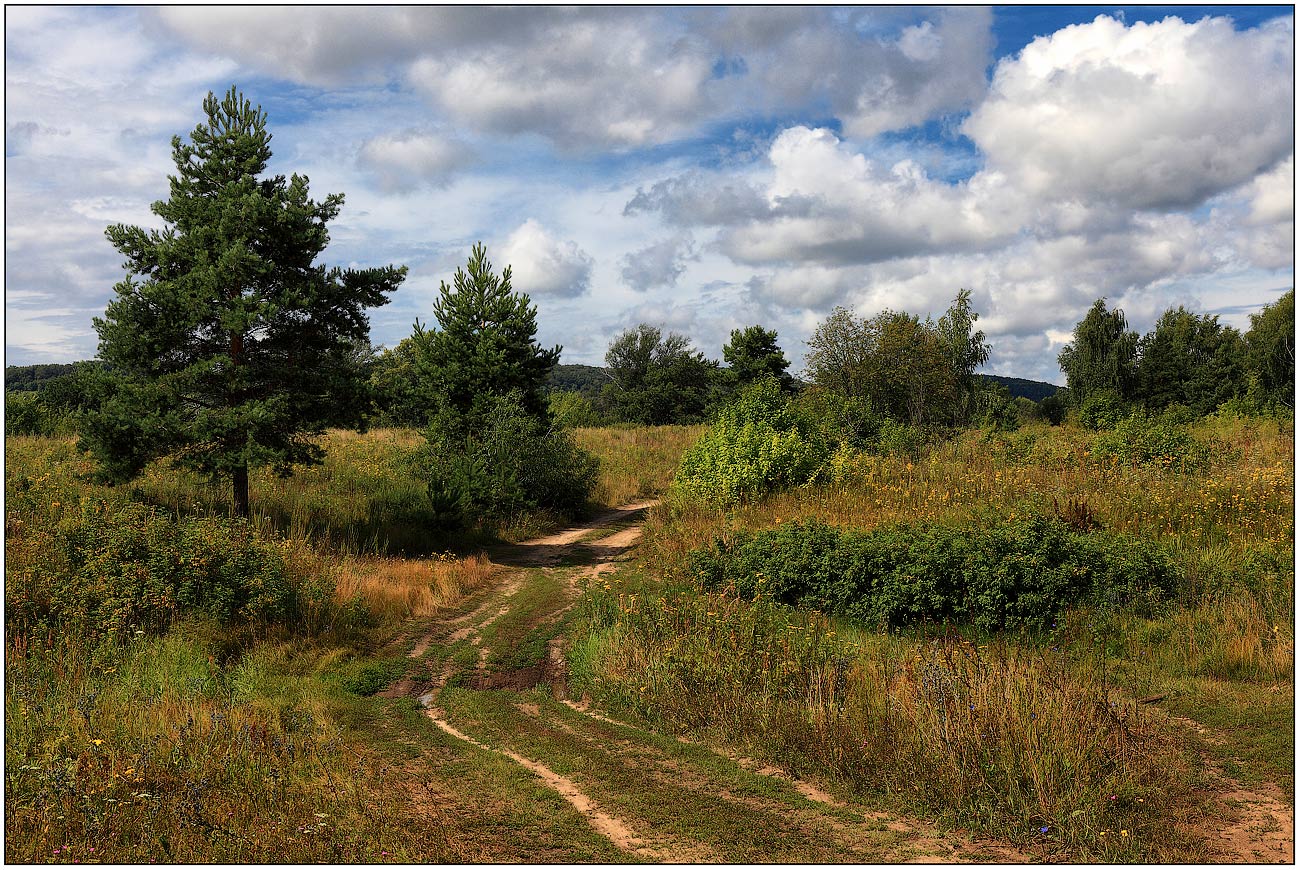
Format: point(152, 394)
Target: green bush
point(514, 463)
point(898, 439)
point(1018, 573)
point(573, 410)
point(117, 568)
point(26, 413)
point(760, 443)
point(1101, 410)
point(841, 419)
point(1141, 439)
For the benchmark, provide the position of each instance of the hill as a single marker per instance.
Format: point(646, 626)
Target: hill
point(577, 378)
point(1034, 390)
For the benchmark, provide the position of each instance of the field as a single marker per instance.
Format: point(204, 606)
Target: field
point(245, 712)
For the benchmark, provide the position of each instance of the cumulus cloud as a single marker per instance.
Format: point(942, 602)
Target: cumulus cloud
point(411, 159)
point(1161, 115)
point(659, 264)
point(621, 77)
point(544, 265)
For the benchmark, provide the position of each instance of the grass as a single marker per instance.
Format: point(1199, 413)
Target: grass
point(1026, 737)
point(204, 743)
point(636, 462)
point(260, 740)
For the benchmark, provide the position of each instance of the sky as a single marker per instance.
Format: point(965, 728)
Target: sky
point(698, 169)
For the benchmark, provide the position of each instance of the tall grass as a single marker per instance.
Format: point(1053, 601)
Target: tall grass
point(1039, 739)
point(636, 462)
point(1023, 742)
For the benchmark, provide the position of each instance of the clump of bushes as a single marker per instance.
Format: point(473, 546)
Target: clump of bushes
point(27, 414)
point(1102, 409)
point(1143, 439)
point(509, 463)
point(759, 444)
point(113, 568)
point(1018, 573)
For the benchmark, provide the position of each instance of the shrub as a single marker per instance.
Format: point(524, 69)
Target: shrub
point(898, 439)
point(1141, 439)
point(27, 414)
point(760, 443)
point(513, 464)
point(573, 410)
point(1018, 573)
point(1103, 409)
point(841, 419)
point(114, 568)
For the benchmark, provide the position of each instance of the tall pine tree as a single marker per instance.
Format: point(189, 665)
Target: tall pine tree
point(230, 347)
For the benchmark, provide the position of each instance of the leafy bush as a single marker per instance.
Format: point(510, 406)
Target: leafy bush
point(573, 410)
point(114, 568)
point(1101, 410)
point(1141, 439)
point(760, 443)
point(514, 463)
point(27, 414)
point(899, 439)
point(841, 419)
point(1019, 573)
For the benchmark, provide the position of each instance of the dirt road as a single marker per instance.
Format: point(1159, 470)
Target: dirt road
point(494, 682)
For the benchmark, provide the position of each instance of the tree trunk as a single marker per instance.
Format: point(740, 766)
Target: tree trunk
point(241, 492)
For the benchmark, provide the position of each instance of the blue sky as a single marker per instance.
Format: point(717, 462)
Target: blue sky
point(699, 169)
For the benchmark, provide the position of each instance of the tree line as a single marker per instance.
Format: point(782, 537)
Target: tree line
point(1188, 360)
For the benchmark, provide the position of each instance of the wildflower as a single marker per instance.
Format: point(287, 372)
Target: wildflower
point(1042, 830)
point(1123, 833)
point(98, 742)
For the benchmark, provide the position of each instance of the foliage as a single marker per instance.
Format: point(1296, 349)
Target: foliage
point(1020, 573)
point(1146, 439)
point(114, 568)
point(995, 409)
point(753, 354)
point(483, 349)
point(657, 379)
point(26, 413)
point(909, 369)
point(1191, 360)
point(1101, 356)
point(1270, 350)
point(843, 419)
point(573, 410)
point(1102, 409)
point(758, 444)
point(395, 388)
point(234, 349)
point(576, 378)
point(511, 462)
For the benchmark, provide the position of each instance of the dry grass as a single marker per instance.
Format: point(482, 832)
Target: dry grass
point(636, 462)
point(394, 589)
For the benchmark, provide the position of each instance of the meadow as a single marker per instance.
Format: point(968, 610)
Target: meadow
point(184, 687)
point(1074, 737)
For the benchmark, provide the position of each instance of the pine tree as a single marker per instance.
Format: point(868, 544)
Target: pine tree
point(231, 350)
point(483, 347)
point(753, 354)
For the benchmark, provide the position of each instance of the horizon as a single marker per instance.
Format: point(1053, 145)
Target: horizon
point(685, 167)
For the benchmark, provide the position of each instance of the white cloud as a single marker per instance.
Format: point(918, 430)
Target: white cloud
point(659, 264)
point(544, 265)
point(1161, 115)
point(411, 159)
point(620, 76)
